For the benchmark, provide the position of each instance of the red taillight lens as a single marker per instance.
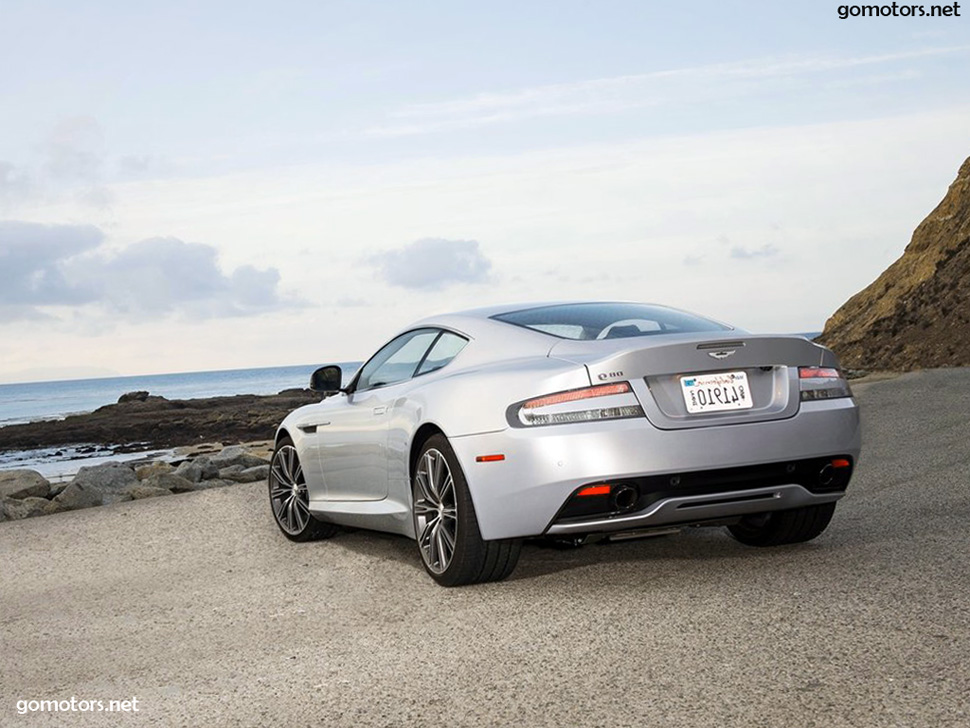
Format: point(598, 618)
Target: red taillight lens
point(569, 407)
point(817, 383)
point(819, 373)
point(602, 390)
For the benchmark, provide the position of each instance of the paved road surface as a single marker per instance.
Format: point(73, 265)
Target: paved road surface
point(196, 606)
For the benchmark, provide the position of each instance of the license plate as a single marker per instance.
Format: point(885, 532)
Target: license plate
point(716, 392)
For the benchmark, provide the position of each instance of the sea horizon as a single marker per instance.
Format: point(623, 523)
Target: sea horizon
point(24, 402)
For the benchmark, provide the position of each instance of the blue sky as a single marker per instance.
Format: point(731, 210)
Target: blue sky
point(302, 179)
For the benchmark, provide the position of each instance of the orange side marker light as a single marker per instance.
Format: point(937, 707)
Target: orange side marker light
point(489, 458)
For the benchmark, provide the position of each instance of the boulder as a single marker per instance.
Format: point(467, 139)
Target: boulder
point(53, 507)
point(78, 495)
point(260, 472)
point(156, 468)
point(215, 483)
point(202, 468)
point(236, 455)
point(242, 474)
point(112, 479)
point(23, 484)
point(24, 508)
point(58, 488)
point(133, 397)
point(138, 492)
point(171, 482)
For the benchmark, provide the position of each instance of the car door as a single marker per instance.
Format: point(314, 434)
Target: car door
point(352, 447)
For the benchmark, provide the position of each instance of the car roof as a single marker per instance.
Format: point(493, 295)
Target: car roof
point(479, 322)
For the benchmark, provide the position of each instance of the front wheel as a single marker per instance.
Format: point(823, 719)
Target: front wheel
point(449, 541)
point(289, 498)
point(776, 528)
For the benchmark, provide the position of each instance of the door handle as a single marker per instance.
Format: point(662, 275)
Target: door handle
point(380, 410)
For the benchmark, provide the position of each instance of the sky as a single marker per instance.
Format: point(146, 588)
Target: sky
point(189, 186)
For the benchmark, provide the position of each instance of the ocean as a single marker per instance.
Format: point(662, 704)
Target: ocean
point(54, 400)
point(35, 401)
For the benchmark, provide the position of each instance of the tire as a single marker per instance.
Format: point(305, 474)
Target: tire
point(777, 528)
point(289, 499)
point(449, 541)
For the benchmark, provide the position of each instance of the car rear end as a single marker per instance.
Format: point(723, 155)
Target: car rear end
point(673, 429)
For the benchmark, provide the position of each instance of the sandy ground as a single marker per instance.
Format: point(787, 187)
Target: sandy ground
point(196, 606)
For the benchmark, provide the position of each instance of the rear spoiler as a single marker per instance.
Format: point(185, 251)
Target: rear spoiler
point(614, 359)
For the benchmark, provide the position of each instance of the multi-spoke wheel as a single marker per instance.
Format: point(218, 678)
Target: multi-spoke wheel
point(289, 499)
point(435, 511)
point(449, 541)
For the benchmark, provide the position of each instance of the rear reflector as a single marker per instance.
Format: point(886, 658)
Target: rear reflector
point(595, 490)
point(840, 463)
point(489, 458)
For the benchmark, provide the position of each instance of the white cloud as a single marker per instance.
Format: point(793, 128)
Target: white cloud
point(433, 263)
point(31, 258)
point(634, 91)
point(768, 250)
point(44, 266)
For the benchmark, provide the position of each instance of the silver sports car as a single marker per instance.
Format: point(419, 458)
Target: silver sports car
point(472, 431)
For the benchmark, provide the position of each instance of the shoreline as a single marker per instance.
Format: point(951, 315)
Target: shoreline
point(140, 422)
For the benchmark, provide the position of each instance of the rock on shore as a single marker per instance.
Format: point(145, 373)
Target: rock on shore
point(140, 421)
point(26, 493)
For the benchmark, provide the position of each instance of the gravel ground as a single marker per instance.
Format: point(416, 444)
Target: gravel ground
point(196, 606)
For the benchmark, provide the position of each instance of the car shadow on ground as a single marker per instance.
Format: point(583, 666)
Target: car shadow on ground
point(540, 558)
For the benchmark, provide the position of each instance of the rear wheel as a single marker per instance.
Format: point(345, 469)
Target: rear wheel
point(782, 527)
point(449, 541)
point(289, 499)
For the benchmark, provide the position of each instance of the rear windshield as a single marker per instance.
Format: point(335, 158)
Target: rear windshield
point(584, 321)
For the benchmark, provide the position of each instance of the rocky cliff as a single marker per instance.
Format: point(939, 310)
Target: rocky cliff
point(916, 315)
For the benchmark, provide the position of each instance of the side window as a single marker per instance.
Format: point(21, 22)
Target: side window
point(397, 360)
point(445, 349)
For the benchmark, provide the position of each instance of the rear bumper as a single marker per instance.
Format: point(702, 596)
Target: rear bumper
point(698, 508)
point(521, 495)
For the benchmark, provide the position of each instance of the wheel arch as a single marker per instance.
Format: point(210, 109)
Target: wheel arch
point(421, 435)
point(280, 434)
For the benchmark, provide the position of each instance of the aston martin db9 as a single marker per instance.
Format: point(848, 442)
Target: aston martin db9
point(472, 431)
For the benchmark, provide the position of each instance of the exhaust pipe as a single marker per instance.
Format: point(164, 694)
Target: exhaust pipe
point(624, 497)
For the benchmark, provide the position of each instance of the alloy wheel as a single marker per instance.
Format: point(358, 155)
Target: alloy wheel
point(288, 492)
point(435, 511)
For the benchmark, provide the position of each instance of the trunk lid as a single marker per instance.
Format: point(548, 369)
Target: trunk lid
point(655, 366)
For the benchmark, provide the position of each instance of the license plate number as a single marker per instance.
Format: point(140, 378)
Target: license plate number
point(716, 392)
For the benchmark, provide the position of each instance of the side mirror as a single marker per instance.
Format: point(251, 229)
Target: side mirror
point(327, 380)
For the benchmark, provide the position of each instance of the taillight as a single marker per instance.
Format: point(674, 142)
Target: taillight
point(822, 383)
point(575, 406)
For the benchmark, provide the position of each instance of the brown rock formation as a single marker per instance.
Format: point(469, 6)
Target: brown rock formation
point(136, 424)
point(916, 315)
